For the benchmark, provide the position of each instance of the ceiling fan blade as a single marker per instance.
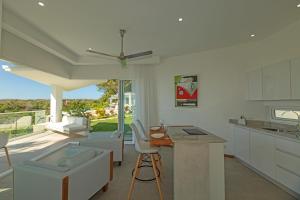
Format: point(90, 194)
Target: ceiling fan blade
point(146, 53)
point(100, 53)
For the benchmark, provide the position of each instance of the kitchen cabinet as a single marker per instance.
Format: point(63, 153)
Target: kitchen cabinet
point(262, 152)
point(295, 78)
point(277, 81)
point(242, 143)
point(288, 163)
point(254, 79)
point(274, 156)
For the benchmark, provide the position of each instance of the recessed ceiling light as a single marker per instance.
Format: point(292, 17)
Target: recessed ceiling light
point(41, 4)
point(298, 5)
point(90, 48)
point(252, 35)
point(180, 19)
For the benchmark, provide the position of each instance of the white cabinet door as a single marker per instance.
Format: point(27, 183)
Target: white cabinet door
point(263, 153)
point(254, 78)
point(242, 144)
point(288, 163)
point(295, 78)
point(277, 81)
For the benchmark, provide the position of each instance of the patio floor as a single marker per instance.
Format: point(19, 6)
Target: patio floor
point(241, 182)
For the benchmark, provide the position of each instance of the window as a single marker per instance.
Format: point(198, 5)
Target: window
point(289, 114)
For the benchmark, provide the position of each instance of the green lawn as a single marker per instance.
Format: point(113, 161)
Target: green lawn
point(111, 124)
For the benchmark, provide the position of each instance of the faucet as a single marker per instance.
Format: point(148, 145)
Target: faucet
point(298, 124)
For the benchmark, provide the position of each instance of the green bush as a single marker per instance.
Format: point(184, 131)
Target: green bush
point(101, 113)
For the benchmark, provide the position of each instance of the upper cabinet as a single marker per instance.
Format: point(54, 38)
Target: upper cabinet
point(295, 78)
point(277, 81)
point(280, 81)
point(254, 78)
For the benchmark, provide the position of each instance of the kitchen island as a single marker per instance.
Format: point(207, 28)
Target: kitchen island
point(198, 165)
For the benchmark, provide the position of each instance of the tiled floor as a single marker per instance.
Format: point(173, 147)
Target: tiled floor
point(241, 182)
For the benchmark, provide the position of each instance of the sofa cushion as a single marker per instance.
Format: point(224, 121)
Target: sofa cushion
point(78, 159)
point(73, 128)
point(74, 120)
point(66, 158)
point(53, 167)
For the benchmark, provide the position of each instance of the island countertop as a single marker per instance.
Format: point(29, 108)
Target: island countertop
point(177, 134)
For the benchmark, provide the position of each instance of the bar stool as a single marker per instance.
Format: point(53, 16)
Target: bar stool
point(146, 138)
point(143, 130)
point(144, 149)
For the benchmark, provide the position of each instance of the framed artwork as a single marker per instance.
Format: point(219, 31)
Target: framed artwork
point(186, 94)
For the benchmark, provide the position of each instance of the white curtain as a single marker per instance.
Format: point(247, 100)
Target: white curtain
point(145, 93)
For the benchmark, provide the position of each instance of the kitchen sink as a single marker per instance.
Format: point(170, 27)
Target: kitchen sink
point(271, 129)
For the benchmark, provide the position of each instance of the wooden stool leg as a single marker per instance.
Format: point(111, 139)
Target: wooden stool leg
point(7, 156)
point(156, 176)
point(136, 170)
point(105, 187)
point(139, 169)
point(159, 158)
point(158, 164)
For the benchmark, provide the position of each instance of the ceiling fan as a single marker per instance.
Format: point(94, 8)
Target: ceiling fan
point(122, 57)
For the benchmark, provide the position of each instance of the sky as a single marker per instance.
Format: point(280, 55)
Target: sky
point(16, 87)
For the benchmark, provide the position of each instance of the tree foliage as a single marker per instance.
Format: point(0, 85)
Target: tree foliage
point(110, 88)
point(18, 105)
point(76, 107)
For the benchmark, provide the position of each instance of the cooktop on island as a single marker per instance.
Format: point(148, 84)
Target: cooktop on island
point(194, 131)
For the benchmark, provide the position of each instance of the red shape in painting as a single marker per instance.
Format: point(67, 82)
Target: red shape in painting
point(183, 93)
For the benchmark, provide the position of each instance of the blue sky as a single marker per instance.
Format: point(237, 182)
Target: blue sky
point(16, 87)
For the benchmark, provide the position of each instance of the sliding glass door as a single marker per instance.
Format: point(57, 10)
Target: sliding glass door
point(115, 109)
point(126, 108)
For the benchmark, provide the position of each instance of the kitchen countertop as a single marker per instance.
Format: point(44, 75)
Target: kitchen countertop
point(177, 134)
point(286, 131)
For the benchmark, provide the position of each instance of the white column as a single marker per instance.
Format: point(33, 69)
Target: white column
point(121, 116)
point(56, 103)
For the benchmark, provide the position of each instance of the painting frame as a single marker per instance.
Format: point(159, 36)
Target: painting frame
point(186, 91)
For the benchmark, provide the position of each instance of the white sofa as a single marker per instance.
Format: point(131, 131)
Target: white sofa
point(70, 172)
point(107, 140)
point(69, 125)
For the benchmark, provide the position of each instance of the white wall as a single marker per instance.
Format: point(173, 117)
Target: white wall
point(222, 82)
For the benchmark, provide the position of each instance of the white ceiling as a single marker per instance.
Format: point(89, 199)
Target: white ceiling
point(153, 24)
point(50, 79)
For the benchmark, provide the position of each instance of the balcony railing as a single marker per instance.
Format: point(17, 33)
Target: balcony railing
point(23, 123)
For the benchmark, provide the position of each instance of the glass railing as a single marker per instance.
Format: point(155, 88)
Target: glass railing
point(23, 123)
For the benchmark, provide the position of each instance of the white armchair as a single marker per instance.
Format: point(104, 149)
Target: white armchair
point(3, 142)
point(69, 125)
point(107, 140)
point(68, 172)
